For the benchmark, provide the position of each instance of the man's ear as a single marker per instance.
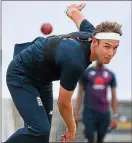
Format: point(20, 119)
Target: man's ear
point(94, 42)
point(94, 39)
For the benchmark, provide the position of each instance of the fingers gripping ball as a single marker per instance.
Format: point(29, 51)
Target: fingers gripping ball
point(46, 28)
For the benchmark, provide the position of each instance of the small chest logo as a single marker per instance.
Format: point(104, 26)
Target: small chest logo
point(105, 74)
point(92, 73)
point(99, 83)
point(39, 101)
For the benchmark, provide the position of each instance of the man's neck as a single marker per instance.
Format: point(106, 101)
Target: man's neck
point(99, 68)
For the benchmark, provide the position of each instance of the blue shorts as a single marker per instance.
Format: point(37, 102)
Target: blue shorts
point(95, 122)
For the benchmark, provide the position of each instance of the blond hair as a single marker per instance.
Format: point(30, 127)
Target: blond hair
point(108, 27)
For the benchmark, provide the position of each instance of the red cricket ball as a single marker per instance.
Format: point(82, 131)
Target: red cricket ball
point(46, 28)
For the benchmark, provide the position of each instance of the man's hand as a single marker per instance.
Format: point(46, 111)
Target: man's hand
point(114, 124)
point(77, 6)
point(68, 136)
point(74, 7)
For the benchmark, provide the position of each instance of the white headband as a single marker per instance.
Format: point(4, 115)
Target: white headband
point(108, 36)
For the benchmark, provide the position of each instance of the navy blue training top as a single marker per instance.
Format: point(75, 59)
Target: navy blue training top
point(70, 58)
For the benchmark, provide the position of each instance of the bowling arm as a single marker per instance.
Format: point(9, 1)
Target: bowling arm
point(74, 13)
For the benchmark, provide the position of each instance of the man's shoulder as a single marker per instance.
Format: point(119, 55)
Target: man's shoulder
point(88, 70)
point(71, 47)
point(83, 34)
point(110, 72)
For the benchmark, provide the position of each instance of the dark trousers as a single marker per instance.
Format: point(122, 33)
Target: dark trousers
point(35, 106)
point(95, 122)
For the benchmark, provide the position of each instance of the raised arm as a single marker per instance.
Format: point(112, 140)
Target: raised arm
point(74, 13)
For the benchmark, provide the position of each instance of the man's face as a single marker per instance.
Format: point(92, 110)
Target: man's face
point(106, 49)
